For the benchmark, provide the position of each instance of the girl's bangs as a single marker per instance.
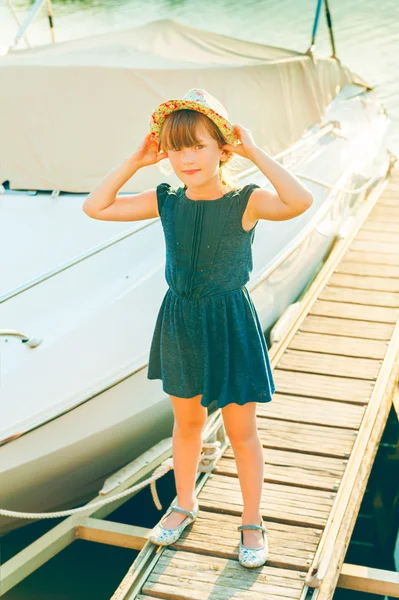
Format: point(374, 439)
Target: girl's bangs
point(181, 129)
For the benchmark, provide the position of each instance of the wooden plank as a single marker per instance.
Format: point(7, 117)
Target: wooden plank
point(340, 345)
point(348, 328)
point(370, 258)
point(303, 437)
point(282, 466)
point(362, 296)
point(318, 412)
point(283, 503)
point(385, 211)
point(346, 310)
point(112, 533)
point(317, 362)
point(389, 200)
point(378, 236)
point(375, 225)
point(370, 246)
point(383, 284)
point(183, 576)
point(373, 267)
point(369, 580)
point(381, 218)
point(324, 464)
point(347, 389)
point(290, 546)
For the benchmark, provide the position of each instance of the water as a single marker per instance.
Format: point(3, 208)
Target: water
point(367, 40)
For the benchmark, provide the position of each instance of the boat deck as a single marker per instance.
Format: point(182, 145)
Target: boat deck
point(335, 381)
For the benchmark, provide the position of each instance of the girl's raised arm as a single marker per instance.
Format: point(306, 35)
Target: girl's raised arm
point(103, 203)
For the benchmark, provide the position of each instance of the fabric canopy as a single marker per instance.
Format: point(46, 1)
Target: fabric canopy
point(70, 112)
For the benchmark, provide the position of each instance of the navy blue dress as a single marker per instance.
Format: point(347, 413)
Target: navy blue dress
point(208, 339)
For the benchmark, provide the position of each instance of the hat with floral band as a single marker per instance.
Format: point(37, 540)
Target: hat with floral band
point(201, 101)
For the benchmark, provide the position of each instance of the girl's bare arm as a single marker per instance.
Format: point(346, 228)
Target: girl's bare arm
point(291, 197)
point(104, 204)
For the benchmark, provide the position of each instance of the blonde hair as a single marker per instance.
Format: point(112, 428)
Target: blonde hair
point(180, 130)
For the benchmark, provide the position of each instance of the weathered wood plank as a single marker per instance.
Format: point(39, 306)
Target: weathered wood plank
point(385, 211)
point(375, 225)
point(285, 472)
point(340, 345)
point(324, 464)
point(383, 284)
point(378, 236)
point(314, 385)
point(346, 310)
point(372, 581)
point(180, 575)
point(370, 258)
point(303, 437)
point(318, 362)
point(283, 503)
point(346, 327)
point(370, 246)
point(115, 534)
point(369, 297)
point(290, 546)
point(389, 200)
point(312, 410)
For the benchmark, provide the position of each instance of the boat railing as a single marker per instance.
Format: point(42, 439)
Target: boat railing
point(30, 341)
point(325, 129)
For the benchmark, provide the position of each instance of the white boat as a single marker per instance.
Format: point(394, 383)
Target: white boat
point(79, 297)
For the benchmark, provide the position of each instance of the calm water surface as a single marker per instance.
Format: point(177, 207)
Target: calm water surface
point(367, 40)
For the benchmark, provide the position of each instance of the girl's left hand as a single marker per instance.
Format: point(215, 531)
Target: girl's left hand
point(247, 145)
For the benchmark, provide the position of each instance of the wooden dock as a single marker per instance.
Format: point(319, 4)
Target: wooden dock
point(336, 376)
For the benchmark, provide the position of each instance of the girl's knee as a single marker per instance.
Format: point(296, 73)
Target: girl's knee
point(240, 423)
point(190, 415)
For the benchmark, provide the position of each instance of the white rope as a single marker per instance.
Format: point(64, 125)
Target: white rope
point(157, 474)
point(208, 460)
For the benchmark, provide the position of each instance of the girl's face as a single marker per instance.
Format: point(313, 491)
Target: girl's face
point(203, 159)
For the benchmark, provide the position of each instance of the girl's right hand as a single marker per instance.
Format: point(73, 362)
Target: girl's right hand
point(148, 153)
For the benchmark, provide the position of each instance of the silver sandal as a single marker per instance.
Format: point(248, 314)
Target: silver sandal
point(163, 536)
point(253, 557)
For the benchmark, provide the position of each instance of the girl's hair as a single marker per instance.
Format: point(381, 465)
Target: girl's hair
point(180, 130)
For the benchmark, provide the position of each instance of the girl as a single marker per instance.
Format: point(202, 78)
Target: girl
point(208, 345)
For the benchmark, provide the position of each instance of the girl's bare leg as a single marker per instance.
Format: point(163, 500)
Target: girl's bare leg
point(190, 418)
point(240, 426)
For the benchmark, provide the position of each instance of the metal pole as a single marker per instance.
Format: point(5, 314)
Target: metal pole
point(31, 15)
point(14, 14)
point(50, 19)
point(315, 24)
point(330, 29)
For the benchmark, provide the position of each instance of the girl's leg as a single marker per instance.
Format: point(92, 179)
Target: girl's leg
point(240, 426)
point(190, 418)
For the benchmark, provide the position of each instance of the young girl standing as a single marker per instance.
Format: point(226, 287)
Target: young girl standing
point(208, 345)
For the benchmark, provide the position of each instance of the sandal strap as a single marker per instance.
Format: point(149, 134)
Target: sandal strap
point(259, 527)
point(182, 510)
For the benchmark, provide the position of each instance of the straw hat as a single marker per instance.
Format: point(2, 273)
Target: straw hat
point(201, 101)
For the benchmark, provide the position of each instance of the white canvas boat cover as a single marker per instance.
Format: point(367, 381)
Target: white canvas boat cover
point(72, 111)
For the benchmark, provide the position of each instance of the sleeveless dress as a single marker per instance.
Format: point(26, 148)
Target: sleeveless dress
point(208, 338)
